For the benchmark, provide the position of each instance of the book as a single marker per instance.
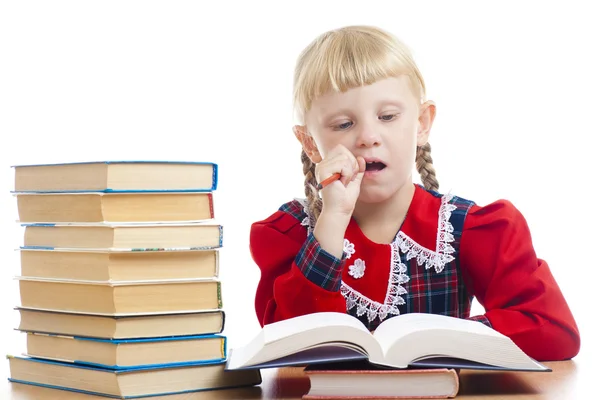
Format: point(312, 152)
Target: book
point(23, 391)
point(119, 284)
point(123, 326)
point(95, 207)
point(404, 341)
point(126, 353)
point(112, 298)
point(116, 176)
point(120, 237)
point(128, 383)
point(115, 266)
point(360, 380)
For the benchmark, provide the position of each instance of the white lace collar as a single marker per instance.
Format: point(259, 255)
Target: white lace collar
point(402, 243)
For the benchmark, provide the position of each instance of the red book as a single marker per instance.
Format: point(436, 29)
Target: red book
point(360, 380)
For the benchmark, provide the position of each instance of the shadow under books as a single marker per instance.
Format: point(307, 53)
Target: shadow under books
point(292, 382)
point(477, 382)
point(286, 382)
point(480, 383)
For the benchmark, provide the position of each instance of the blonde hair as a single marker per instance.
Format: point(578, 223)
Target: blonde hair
point(346, 58)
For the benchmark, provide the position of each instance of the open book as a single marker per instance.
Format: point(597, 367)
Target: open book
point(408, 340)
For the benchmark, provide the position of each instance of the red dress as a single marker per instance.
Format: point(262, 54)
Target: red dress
point(447, 250)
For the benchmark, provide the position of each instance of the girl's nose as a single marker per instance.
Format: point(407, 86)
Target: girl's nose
point(368, 136)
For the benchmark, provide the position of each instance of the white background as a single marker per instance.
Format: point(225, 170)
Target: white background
point(516, 84)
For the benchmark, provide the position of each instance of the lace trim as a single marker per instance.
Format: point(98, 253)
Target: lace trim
point(398, 277)
point(364, 305)
point(393, 297)
point(308, 221)
point(444, 249)
point(405, 244)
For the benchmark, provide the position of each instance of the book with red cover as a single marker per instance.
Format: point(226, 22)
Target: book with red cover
point(361, 380)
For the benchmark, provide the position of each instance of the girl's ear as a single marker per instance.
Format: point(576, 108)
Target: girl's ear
point(426, 117)
point(308, 143)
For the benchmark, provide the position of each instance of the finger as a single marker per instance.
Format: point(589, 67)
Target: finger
point(347, 174)
point(358, 180)
point(362, 164)
point(342, 153)
point(336, 164)
point(355, 166)
point(361, 172)
point(359, 166)
point(350, 169)
point(353, 160)
point(351, 164)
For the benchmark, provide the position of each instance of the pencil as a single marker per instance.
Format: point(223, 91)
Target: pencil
point(329, 180)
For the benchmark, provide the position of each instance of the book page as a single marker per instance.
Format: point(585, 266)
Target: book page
point(282, 329)
point(280, 341)
point(393, 329)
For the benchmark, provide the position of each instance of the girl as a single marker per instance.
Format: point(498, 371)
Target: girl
point(373, 243)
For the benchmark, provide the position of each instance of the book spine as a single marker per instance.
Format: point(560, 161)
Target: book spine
point(215, 177)
point(219, 297)
point(223, 316)
point(211, 205)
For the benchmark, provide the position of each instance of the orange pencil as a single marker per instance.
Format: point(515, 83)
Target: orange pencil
point(329, 180)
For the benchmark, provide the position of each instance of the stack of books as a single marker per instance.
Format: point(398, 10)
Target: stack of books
point(119, 283)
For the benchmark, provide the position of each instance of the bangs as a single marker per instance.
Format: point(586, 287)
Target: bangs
point(342, 60)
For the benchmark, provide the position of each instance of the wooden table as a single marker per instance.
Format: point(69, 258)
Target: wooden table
point(568, 381)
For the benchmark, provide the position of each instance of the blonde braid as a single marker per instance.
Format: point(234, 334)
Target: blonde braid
point(425, 167)
point(310, 187)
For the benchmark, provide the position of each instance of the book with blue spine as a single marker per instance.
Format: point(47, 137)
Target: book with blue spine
point(121, 326)
point(128, 353)
point(129, 383)
point(117, 176)
point(123, 237)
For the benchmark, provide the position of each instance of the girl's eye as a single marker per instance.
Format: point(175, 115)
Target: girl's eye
point(388, 117)
point(345, 125)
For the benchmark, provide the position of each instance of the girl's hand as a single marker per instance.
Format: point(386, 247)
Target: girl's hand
point(339, 197)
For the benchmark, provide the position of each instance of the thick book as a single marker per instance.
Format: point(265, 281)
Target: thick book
point(362, 381)
point(117, 176)
point(128, 383)
point(123, 326)
point(123, 237)
point(120, 298)
point(127, 353)
point(116, 266)
point(98, 207)
point(20, 391)
point(408, 340)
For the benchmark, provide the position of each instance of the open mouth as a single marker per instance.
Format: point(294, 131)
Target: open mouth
point(375, 166)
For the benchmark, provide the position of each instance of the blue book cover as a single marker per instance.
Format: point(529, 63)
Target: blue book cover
point(60, 182)
point(49, 225)
point(36, 320)
point(116, 342)
point(226, 379)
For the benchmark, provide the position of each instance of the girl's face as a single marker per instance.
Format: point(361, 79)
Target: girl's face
point(382, 122)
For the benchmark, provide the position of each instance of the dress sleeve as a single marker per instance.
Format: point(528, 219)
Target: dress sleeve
point(520, 296)
point(297, 276)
